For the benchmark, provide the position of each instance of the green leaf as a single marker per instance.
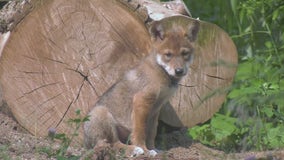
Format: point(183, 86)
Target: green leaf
point(268, 111)
point(275, 137)
point(234, 6)
point(274, 86)
point(244, 70)
point(275, 14)
point(235, 93)
point(60, 136)
point(78, 111)
point(243, 92)
point(223, 126)
point(59, 157)
point(268, 44)
point(272, 133)
point(87, 118)
point(196, 131)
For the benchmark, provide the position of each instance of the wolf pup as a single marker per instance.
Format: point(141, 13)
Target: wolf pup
point(127, 114)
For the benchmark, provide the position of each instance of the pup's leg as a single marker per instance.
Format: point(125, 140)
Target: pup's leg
point(102, 126)
point(142, 108)
point(151, 130)
point(140, 112)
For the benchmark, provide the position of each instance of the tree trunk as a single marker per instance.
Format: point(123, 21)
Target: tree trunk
point(65, 54)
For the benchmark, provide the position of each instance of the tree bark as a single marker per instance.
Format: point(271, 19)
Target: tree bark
point(65, 54)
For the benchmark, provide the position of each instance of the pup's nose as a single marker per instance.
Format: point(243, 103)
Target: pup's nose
point(179, 71)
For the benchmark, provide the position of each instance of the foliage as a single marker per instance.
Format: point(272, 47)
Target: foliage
point(3, 152)
point(253, 115)
point(65, 139)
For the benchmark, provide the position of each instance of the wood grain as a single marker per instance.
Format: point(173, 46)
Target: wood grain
point(67, 53)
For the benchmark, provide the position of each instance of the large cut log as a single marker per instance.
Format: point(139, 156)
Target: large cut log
point(65, 54)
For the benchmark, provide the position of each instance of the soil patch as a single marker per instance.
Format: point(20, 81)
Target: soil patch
point(17, 143)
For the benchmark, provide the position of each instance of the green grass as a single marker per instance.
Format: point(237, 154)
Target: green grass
point(4, 152)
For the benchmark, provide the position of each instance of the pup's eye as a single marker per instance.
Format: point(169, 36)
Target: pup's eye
point(186, 55)
point(168, 55)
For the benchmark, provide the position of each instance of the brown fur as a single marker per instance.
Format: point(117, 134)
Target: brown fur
point(130, 109)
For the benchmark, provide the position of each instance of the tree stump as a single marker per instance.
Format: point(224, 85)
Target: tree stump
point(65, 54)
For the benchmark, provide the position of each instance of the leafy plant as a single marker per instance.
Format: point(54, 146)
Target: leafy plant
point(47, 150)
point(65, 139)
point(252, 116)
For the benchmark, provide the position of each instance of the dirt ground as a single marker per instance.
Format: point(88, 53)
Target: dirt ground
point(16, 143)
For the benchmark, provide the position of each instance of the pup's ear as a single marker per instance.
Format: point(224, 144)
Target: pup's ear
point(193, 31)
point(157, 31)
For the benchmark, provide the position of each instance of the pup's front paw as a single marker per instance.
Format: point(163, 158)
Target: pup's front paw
point(137, 151)
point(152, 153)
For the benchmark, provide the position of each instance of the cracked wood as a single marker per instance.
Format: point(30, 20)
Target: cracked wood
point(66, 53)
